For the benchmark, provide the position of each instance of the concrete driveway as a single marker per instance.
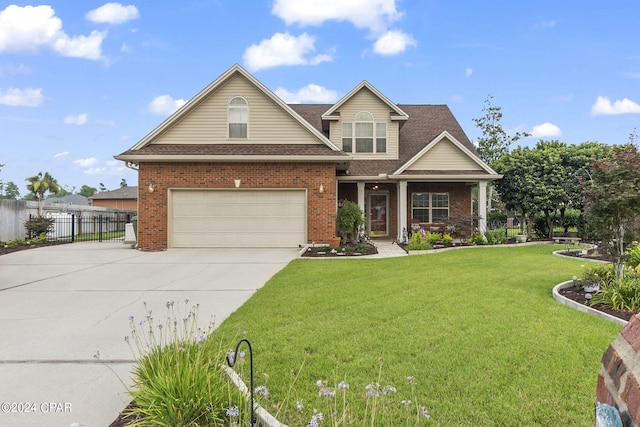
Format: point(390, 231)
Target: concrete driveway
point(60, 305)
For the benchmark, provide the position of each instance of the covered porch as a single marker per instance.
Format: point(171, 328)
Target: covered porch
point(391, 205)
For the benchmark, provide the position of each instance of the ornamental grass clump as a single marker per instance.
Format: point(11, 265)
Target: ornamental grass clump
point(418, 243)
point(177, 376)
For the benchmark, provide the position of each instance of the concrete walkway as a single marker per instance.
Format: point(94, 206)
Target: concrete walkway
point(60, 305)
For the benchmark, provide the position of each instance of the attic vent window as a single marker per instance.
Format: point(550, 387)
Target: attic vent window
point(369, 136)
point(238, 118)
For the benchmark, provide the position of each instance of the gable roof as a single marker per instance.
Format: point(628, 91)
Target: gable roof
point(127, 192)
point(330, 113)
point(425, 127)
point(146, 150)
point(469, 156)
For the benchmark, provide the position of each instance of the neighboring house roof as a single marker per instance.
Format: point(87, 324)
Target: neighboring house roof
point(122, 193)
point(73, 199)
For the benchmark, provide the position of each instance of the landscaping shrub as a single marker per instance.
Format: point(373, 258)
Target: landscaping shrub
point(447, 239)
point(602, 274)
point(496, 237)
point(417, 243)
point(621, 294)
point(178, 379)
point(434, 238)
point(35, 226)
point(633, 257)
point(477, 239)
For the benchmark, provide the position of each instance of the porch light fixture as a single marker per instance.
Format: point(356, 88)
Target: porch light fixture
point(237, 183)
point(152, 187)
point(321, 189)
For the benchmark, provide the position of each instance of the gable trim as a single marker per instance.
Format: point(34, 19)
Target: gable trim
point(329, 114)
point(454, 141)
point(204, 93)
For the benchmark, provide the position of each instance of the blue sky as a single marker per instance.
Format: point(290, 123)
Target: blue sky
point(82, 81)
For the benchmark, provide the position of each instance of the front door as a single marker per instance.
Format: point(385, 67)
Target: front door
point(378, 214)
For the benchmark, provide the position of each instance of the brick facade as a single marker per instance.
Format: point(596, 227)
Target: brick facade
point(459, 198)
point(620, 374)
point(153, 215)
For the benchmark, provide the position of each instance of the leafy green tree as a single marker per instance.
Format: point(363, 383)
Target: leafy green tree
point(11, 191)
point(612, 201)
point(494, 142)
point(87, 191)
point(40, 184)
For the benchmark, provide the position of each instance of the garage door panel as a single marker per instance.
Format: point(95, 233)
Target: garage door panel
point(240, 218)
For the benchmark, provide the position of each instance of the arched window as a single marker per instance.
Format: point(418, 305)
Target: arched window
point(365, 131)
point(238, 117)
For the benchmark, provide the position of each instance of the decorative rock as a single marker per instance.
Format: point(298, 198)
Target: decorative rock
point(607, 416)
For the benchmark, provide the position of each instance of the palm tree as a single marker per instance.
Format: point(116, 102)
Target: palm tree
point(40, 184)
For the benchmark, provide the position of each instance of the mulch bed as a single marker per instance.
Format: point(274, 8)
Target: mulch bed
point(346, 250)
point(8, 250)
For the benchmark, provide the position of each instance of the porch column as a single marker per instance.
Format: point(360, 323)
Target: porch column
point(482, 206)
point(402, 210)
point(361, 195)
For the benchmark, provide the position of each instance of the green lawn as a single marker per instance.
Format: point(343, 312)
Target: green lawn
point(477, 329)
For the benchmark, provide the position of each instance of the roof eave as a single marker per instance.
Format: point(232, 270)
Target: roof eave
point(228, 158)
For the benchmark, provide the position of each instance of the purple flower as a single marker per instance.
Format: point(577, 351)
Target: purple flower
point(343, 385)
point(406, 403)
point(299, 406)
point(424, 412)
point(317, 416)
point(372, 390)
point(389, 389)
point(262, 390)
point(233, 412)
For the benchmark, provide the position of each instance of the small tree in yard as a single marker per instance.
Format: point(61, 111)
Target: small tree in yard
point(612, 201)
point(350, 217)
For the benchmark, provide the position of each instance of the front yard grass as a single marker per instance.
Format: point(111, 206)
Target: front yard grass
point(476, 328)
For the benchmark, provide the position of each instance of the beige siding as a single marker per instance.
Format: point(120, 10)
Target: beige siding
point(444, 156)
point(365, 100)
point(207, 122)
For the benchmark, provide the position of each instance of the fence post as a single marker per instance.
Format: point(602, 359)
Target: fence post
point(73, 228)
point(99, 228)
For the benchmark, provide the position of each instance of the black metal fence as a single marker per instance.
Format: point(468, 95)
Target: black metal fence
point(95, 228)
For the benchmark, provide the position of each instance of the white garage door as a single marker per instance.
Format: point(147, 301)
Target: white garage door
point(238, 218)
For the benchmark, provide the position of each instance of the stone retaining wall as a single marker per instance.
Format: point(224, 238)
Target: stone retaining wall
point(619, 378)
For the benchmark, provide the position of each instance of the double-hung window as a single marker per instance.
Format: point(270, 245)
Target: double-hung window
point(369, 136)
point(430, 207)
point(238, 117)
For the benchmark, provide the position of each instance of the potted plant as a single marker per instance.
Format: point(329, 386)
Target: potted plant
point(349, 218)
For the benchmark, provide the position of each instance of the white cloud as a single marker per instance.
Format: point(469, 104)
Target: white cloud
point(546, 130)
point(118, 170)
point(85, 163)
point(79, 119)
point(309, 93)
point(374, 15)
point(603, 106)
point(29, 28)
point(96, 171)
point(282, 49)
point(113, 13)
point(28, 97)
point(61, 155)
point(165, 105)
point(393, 42)
point(468, 72)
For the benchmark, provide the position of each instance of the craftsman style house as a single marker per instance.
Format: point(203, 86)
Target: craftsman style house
point(238, 167)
